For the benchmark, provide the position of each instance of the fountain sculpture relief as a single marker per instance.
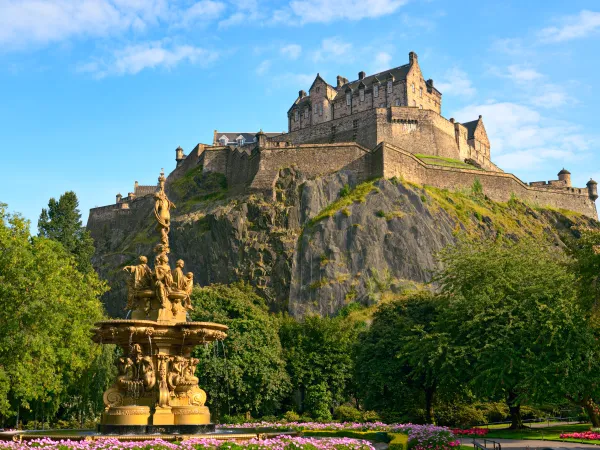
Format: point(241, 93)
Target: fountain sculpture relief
point(156, 388)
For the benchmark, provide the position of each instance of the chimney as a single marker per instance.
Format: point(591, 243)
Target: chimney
point(361, 75)
point(430, 82)
point(340, 81)
point(301, 94)
point(412, 58)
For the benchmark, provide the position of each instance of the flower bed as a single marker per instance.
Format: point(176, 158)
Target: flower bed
point(470, 431)
point(420, 437)
point(279, 443)
point(586, 436)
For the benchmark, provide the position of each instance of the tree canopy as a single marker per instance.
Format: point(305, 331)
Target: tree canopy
point(62, 222)
point(47, 308)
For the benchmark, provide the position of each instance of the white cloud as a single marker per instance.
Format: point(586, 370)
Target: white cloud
point(291, 51)
point(203, 11)
point(263, 67)
point(550, 96)
point(456, 82)
point(522, 138)
point(510, 46)
point(520, 74)
point(382, 62)
point(572, 27)
point(135, 58)
point(332, 48)
point(37, 22)
point(325, 11)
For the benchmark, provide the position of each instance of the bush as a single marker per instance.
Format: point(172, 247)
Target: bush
point(494, 412)
point(398, 442)
point(346, 413)
point(370, 416)
point(235, 419)
point(291, 416)
point(459, 415)
point(318, 400)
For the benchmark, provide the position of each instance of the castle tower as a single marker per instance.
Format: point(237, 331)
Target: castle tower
point(592, 189)
point(261, 139)
point(565, 175)
point(119, 198)
point(179, 156)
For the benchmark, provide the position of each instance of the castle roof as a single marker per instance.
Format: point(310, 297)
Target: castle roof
point(564, 172)
point(398, 73)
point(471, 127)
point(233, 137)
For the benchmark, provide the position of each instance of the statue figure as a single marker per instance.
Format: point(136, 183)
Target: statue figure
point(188, 290)
point(190, 371)
point(179, 279)
point(162, 206)
point(140, 278)
point(164, 279)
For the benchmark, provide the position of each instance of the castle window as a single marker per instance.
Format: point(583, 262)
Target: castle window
point(389, 86)
point(412, 86)
point(397, 103)
point(362, 95)
point(348, 98)
point(296, 115)
point(420, 106)
point(241, 141)
point(321, 109)
point(420, 92)
point(223, 140)
point(315, 109)
point(375, 90)
point(318, 89)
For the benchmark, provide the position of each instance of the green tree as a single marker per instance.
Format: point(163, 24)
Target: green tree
point(400, 358)
point(515, 328)
point(47, 308)
point(245, 373)
point(62, 222)
point(319, 351)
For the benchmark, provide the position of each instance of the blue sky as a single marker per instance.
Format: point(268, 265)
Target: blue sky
point(95, 94)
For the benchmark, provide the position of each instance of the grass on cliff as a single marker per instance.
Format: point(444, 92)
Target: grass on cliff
point(476, 212)
point(197, 186)
point(348, 197)
point(445, 162)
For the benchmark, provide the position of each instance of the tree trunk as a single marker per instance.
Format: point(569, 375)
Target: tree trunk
point(515, 412)
point(429, 393)
point(591, 412)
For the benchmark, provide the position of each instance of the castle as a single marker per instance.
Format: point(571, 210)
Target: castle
point(384, 125)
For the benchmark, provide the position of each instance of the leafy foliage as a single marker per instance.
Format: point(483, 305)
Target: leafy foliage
point(47, 308)
point(62, 222)
point(247, 373)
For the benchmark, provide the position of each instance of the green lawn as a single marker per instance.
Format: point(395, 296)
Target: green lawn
point(444, 162)
point(551, 433)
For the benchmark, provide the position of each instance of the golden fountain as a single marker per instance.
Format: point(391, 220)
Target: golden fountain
point(156, 390)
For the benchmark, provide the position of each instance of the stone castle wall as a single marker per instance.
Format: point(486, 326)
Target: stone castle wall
point(416, 130)
point(497, 186)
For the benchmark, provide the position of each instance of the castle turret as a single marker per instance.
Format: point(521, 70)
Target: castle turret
point(412, 58)
point(592, 189)
point(565, 176)
point(261, 139)
point(119, 198)
point(179, 156)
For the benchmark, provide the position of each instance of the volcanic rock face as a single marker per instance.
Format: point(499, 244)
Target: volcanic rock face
point(320, 244)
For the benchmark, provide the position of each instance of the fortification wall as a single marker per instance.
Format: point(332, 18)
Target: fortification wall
point(188, 163)
point(498, 186)
point(360, 128)
point(313, 160)
point(214, 159)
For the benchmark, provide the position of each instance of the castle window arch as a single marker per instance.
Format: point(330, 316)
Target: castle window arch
point(348, 98)
point(412, 86)
point(397, 103)
point(361, 94)
point(296, 115)
point(375, 90)
point(389, 86)
point(420, 92)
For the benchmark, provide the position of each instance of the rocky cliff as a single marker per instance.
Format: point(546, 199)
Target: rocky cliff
point(320, 244)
